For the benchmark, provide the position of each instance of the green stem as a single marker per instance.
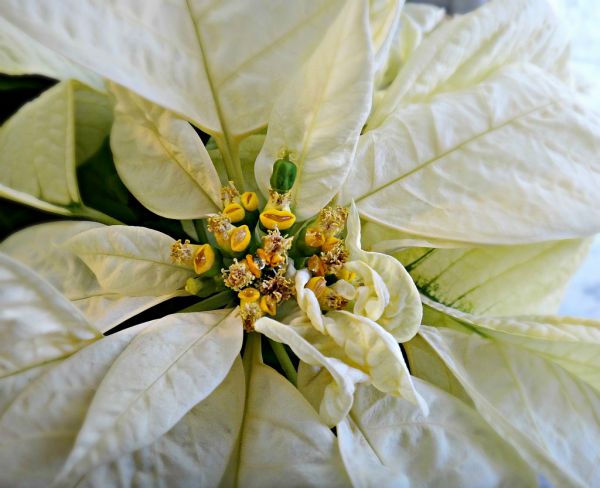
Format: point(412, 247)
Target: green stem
point(211, 303)
point(284, 361)
point(96, 215)
point(231, 157)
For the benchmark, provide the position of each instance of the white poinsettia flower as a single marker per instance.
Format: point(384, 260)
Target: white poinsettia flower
point(449, 133)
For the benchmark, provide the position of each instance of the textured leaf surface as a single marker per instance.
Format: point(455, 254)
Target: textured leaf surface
point(353, 349)
point(469, 48)
point(172, 365)
point(320, 114)
point(41, 143)
point(401, 312)
point(21, 55)
point(391, 442)
point(511, 160)
point(182, 55)
point(41, 248)
point(39, 426)
point(573, 343)
point(37, 323)
point(161, 159)
point(511, 388)
point(282, 440)
point(497, 280)
point(193, 453)
point(132, 261)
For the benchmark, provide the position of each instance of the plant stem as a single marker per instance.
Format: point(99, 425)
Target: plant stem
point(284, 361)
point(231, 157)
point(96, 215)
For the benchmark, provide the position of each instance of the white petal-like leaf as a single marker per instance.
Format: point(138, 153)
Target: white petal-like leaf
point(572, 343)
point(39, 426)
point(511, 160)
point(353, 349)
point(402, 314)
point(320, 114)
point(172, 365)
point(162, 160)
point(21, 55)
point(183, 55)
point(450, 446)
point(497, 280)
point(384, 22)
point(469, 48)
point(133, 261)
point(549, 416)
point(39, 146)
point(37, 323)
point(193, 453)
point(41, 248)
point(282, 442)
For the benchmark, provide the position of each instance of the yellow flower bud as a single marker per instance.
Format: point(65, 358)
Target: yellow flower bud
point(281, 219)
point(204, 258)
point(248, 295)
point(234, 212)
point(329, 243)
point(240, 238)
point(249, 201)
point(268, 305)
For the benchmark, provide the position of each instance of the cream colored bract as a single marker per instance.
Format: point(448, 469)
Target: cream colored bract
point(462, 136)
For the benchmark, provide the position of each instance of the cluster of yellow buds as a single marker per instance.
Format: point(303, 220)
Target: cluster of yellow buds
point(247, 253)
point(259, 276)
point(321, 241)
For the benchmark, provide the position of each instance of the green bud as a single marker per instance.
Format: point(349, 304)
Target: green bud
point(283, 176)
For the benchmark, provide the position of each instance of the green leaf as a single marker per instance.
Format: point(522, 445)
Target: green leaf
point(171, 366)
point(509, 161)
point(133, 261)
point(549, 416)
point(389, 442)
point(497, 280)
point(161, 159)
point(319, 115)
point(37, 324)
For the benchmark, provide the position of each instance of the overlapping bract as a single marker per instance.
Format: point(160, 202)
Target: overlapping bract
point(474, 137)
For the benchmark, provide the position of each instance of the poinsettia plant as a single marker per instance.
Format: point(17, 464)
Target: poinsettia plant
point(318, 244)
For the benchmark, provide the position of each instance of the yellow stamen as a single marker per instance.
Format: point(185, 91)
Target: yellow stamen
point(204, 258)
point(249, 201)
point(248, 295)
point(234, 212)
point(316, 266)
point(318, 285)
point(268, 305)
point(281, 219)
point(314, 237)
point(240, 238)
point(330, 243)
point(252, 266)
point(344, 274)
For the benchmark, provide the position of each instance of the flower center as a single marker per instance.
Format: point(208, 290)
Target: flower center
point(256, 254)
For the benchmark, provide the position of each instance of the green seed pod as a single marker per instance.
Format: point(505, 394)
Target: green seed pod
point(283, 176)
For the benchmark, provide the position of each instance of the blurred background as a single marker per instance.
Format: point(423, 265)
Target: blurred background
point(583, 19)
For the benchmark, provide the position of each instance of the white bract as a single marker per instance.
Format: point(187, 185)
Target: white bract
point(450, 133)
